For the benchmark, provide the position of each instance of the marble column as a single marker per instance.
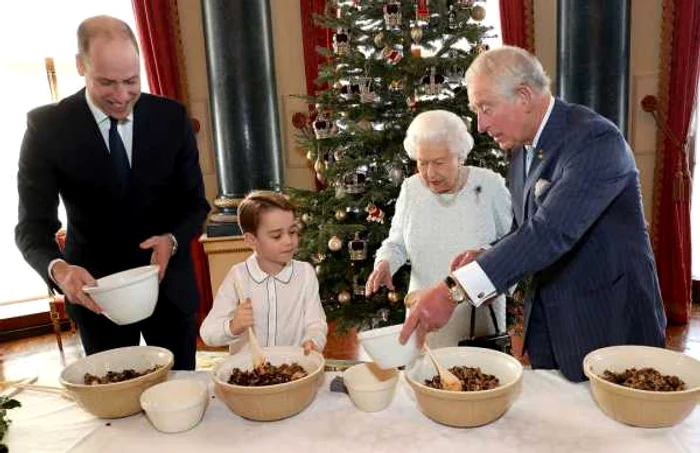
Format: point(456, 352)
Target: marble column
point(593, 56)
point(243, 101)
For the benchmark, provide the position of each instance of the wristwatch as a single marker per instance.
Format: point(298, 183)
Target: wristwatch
point(457, 294)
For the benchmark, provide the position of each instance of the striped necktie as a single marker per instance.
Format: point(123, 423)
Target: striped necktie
point(529, 154)
point(117, 156)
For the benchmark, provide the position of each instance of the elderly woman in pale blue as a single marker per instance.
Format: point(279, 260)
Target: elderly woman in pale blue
point(444, 209)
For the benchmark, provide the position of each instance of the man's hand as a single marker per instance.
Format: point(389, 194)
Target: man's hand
point(465, 258)
point(71, 280)
point(432, 309)
point(309, 345)
point(162, 247)
point(242, 319)
point(379, 277)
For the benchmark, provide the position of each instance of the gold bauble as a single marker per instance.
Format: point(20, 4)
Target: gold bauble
point(306, 218)
point(393, 297)
point(416, 34)
point(344, 297)
point(478, 13)
point(310, 155)
point(341, 215)
point(319, 269)
point(335, 243)
point(379, 39)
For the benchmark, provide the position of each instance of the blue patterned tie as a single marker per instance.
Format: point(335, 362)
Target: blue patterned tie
point(117, 156)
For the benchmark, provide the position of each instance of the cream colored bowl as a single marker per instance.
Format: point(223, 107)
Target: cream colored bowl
point(383, 346)
point(176, 405)
point(643, 408)
point(129, 296)
point(272, 402)
point(371, 388)
point(119, 399)
point(464, 409)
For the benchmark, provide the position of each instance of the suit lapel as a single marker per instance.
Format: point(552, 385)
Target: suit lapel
point(140, 140)
point(516, 178)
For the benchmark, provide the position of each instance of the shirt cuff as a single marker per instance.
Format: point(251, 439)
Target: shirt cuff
point(227, 335)
point(475, 283)
point(51, 265)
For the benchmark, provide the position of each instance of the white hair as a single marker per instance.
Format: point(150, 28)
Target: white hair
point(439, 127)
point(510, 67)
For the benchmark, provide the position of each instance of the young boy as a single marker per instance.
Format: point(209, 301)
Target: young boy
point(281, 300)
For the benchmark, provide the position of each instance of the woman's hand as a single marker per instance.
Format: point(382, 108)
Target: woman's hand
point(381, 276)
point(310, 345)
point(242, 319)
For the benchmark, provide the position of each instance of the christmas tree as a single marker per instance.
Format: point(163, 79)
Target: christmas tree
point(390, 60)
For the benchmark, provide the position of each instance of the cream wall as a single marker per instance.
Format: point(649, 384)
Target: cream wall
point(645, 37)
point(289, 68)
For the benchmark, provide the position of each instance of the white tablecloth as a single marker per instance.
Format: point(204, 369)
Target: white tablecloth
point(551, 415)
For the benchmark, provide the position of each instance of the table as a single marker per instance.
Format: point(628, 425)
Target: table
point(551, 415)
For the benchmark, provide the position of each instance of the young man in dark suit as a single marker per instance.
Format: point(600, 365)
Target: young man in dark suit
point(579, 224)
point(126, 166)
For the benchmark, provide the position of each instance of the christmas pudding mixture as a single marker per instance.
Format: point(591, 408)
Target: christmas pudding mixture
point(645, 379)
point(267, 374)
point(116, 376)
point(472, 379)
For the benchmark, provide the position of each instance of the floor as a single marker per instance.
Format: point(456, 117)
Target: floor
point(40, 356)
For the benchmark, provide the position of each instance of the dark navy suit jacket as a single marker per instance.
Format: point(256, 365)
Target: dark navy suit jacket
point(64, 153)
point(581, 235)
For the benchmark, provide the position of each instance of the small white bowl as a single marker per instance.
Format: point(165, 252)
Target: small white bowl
point(176, 405)
point(384, 348)
point(371, 388)
point(128, 296)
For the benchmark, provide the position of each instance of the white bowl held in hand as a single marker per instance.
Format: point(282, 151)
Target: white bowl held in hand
point(371, 388)
point(176, 405)
point(128, 296)
point(384, 348)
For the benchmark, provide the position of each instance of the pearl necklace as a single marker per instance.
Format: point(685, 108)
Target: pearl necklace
point(448, 199)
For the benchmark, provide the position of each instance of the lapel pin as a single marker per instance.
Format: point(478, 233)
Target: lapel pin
point(540, 154)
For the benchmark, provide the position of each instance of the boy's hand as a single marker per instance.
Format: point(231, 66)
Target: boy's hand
point(242, 319)
point(308, 346)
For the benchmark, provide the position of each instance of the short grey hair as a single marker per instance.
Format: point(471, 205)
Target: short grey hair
point(510, 67)
point(102, 27)
point(439, 126)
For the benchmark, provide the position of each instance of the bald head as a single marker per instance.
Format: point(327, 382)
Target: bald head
point(102, 28)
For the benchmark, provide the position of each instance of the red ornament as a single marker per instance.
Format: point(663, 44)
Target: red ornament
point(649, 103)
point(300, 120)
point(422, 11)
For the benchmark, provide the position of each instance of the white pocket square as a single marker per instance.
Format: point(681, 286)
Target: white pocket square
point(541, 186)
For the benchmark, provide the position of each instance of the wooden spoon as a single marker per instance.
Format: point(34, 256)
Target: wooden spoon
point(448, 380)
point(256, 351)
point(41, 388)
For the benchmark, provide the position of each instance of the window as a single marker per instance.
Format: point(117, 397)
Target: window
point(33, 30)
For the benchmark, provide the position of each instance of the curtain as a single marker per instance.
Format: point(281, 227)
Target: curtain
point(517, 23)
point(158, 27)
point(680, 59)
point(313, 37)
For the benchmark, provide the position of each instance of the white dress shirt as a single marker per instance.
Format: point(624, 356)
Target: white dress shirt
point(287, 310)
point(472, 277)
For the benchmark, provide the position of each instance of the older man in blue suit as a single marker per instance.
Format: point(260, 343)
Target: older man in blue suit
point(579, 227)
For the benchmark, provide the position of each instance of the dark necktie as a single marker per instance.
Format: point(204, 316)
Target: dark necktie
point(117, 155)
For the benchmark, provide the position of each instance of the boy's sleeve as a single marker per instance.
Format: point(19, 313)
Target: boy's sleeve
point(215, 327)
point(315, 327)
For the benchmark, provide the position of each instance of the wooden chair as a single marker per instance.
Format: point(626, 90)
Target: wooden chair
point(57, 305)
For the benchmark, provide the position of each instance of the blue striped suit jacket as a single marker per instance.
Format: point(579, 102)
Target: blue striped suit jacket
point(581, 236)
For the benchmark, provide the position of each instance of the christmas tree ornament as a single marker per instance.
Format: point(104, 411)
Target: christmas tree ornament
point(411, 102)
point(478, 13)
point(392, 14)
point(339, 190)
point(392, 55)
point(341, 41)
point(335, 244)
point(349, 91)
point(393, 296)
point(416, 51)
point(310, 156)
point(344, 297)
point(318, 269)
point(422, 10)
point(319, 166)
point(416, 34)
point(317, 258)
point(358, 248)
point(358, 286)
point(452, 17)
point(322, 126)
point(354, 182)
point(396, 175)
point(374, 214)
point(432, 83)
point(367, 94)
point(299, 120)
point(340, 215)
point(396, 85)
point(338, 154)
point(306, 218)
point(379, 39)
